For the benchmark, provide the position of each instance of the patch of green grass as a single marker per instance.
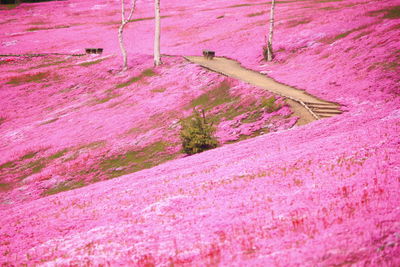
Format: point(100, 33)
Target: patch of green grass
point(158, 90)
point(37, 165)
point(392, 13)
point(254, 134)
point(263, 3)
point(89, 63)
point(362, 34)
point(255, 14)
point(30, 155)
point(29, 78)
point(327, 1)
point(147, 18)
point(111, 95)
point(33, 29)
point(330, 40)
point(145, 73)
point(62, 187)
point(294, 23)
point(49, 64)
point(148, 73)
point(58, 154)
point(389, 13)
point(134, 130)
point(129, 82)
point(7, 165)
point(329, 8)
point(2, 120)
point(215, 97)
point(93, 145)
point(4, 187)
point(136, 160)
point(8, 6)
point(49, 121)
point(267, 104)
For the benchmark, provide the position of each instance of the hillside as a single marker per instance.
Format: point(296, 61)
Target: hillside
point(90, 163)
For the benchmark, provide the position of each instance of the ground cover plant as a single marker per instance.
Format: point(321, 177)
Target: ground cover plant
point(90, 168)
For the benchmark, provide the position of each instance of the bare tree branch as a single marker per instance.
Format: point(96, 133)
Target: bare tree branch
point(157, 55)
point(121, 31)
point(270, 53)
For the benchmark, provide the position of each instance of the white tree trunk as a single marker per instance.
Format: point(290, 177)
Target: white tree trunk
point(157, 55)
point(124, 21)
point(122, 47)
point(270, 54)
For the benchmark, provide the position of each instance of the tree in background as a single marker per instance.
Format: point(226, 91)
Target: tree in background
point(157, 56)
point(268, 52)
point(197, 134)
point(124, 21)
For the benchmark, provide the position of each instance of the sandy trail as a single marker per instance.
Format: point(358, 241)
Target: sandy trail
point(304, 105)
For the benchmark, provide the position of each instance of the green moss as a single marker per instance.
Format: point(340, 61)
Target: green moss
point(145, 73)
point(62, 187)
point(29, 78)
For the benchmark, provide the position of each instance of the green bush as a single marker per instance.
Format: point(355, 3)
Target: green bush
point(197, 135)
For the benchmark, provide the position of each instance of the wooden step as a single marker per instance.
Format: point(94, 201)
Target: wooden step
point(328, 111)
point(324, 108)
point(320, 104)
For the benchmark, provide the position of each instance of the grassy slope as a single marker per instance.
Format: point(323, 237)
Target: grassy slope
point(325, 193)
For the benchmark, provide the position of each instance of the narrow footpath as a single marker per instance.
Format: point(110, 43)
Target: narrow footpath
point(308, 107)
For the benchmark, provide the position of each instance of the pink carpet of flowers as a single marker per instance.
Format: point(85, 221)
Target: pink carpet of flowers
point(323, 194)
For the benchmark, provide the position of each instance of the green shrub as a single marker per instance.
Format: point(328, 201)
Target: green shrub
point(197, 135)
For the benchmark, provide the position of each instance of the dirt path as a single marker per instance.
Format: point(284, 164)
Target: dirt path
point(304, 105)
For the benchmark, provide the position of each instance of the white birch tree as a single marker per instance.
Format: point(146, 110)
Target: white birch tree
point(157, 55)
point(125, 20)
point(270, 53)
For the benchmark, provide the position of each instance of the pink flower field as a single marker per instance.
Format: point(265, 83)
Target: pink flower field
point(91, 168)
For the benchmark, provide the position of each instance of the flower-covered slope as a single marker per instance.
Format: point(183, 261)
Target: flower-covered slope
point(321, 194)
